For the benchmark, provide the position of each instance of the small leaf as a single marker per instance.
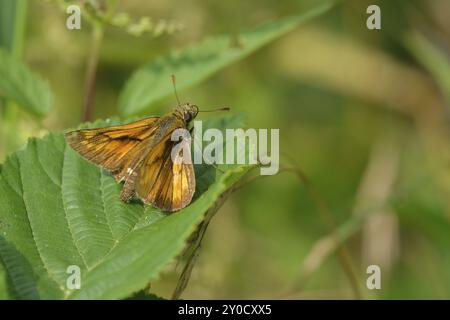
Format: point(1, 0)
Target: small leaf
point(195, 63)
point(19, 83)
point(58, 210)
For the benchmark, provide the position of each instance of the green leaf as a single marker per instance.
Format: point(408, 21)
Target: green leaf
point(195, 63)
point(3, 284)
point(58, 210)
point(12, 25)
point(19, 83)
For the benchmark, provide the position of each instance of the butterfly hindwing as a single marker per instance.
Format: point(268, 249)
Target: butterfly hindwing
point(165, 183)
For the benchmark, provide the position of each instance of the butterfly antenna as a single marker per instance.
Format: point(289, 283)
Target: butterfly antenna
point(174, 82)
point(217, 109)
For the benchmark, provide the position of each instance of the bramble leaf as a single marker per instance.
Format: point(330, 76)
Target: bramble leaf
point(19, 83)
point(58, 210)
point(195, 63)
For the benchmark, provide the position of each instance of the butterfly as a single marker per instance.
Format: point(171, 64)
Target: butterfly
point(140, 154)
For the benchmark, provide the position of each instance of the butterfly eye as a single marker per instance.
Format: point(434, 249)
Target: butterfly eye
point(187, 117)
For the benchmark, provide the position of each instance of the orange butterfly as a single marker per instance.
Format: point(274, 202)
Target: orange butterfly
point(139, 153)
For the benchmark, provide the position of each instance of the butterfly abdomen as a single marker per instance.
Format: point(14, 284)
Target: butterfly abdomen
point(129, 188)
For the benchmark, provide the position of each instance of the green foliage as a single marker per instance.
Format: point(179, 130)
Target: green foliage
point(195, 63)
point(12, 25)
point(57, 210)
point(3, 284)
point(145, 25)
point(27, 89)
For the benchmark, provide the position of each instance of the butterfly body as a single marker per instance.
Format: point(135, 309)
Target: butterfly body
point(140, 154)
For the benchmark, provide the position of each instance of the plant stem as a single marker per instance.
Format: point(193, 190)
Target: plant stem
point(342, 252)
point(91, 72)
point(15, 47)
point(19, 29)
point(327, 218)
point(194, 245)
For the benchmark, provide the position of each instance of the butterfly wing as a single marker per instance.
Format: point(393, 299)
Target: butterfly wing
point(112, 147)
point(165, 183)
point(140, 153)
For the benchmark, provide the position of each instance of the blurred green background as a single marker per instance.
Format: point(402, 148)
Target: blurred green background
point(365, 113)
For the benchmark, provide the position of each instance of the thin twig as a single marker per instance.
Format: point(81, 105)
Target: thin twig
point(195, 242)
point(327, 218)
point(342, 253)
point(91, 72)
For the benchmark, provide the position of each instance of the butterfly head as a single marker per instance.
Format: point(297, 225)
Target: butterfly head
point(188, 112)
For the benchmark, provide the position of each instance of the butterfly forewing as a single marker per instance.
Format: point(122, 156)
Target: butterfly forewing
point(111, 147)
